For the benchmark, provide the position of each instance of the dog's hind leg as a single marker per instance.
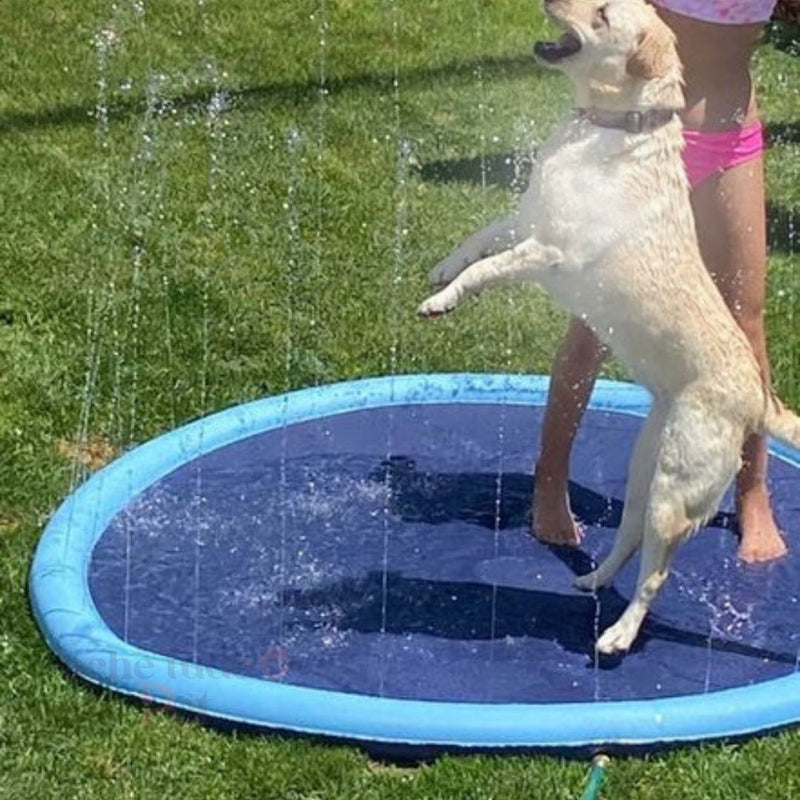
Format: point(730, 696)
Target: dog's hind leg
point(661, 539)
point(495, 238)
point(523, 262)
point(697, 458)
point(631, 528)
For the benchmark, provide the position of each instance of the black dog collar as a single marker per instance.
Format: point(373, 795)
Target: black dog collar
point(628, 121)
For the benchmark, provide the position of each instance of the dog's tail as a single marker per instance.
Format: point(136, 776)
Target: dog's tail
point(782, 423)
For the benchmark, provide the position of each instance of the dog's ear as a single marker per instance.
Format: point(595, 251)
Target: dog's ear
point(654, 55)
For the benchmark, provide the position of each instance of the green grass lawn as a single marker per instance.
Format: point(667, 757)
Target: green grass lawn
point(206, 202)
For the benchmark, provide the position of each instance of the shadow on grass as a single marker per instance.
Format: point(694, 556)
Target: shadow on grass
point(783, 132)
point(512, 172)
point(783, 229)
point(283, 93)
point(506, 170)
point(784, 36)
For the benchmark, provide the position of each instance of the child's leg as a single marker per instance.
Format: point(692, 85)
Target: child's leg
point(576, 366)
point(730, 212)
point(729, 208)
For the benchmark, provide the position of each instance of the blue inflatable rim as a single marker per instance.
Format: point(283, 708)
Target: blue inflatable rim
point(73, 628)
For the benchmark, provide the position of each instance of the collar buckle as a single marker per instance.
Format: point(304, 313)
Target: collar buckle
point(635, 121)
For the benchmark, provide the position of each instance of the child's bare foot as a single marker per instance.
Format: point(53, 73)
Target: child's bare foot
point(761, 539)
point(551, 518)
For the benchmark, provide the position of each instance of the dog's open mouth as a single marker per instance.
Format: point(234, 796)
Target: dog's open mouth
point(566, 46)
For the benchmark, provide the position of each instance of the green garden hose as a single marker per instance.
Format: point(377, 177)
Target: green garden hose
point(596, 777)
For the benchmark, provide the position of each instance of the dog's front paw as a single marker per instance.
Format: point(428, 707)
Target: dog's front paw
point(617, 639)
point(439, 303)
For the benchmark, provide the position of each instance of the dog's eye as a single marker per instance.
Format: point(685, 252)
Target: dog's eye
point(601, 17)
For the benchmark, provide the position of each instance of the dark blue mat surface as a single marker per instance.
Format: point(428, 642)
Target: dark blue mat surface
point(386, 552)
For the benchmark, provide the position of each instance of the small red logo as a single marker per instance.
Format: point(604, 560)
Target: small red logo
point(274, 664)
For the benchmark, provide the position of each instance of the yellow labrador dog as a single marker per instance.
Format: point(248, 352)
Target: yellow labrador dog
point(606, 227)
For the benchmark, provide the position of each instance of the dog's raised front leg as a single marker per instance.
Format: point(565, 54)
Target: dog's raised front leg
point(522, 262)
point(495, 238)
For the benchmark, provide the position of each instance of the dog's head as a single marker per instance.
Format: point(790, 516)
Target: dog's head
point(618, 53)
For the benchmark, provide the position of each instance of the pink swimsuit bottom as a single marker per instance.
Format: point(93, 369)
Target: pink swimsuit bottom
point(723, 12)
point(709, 152)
